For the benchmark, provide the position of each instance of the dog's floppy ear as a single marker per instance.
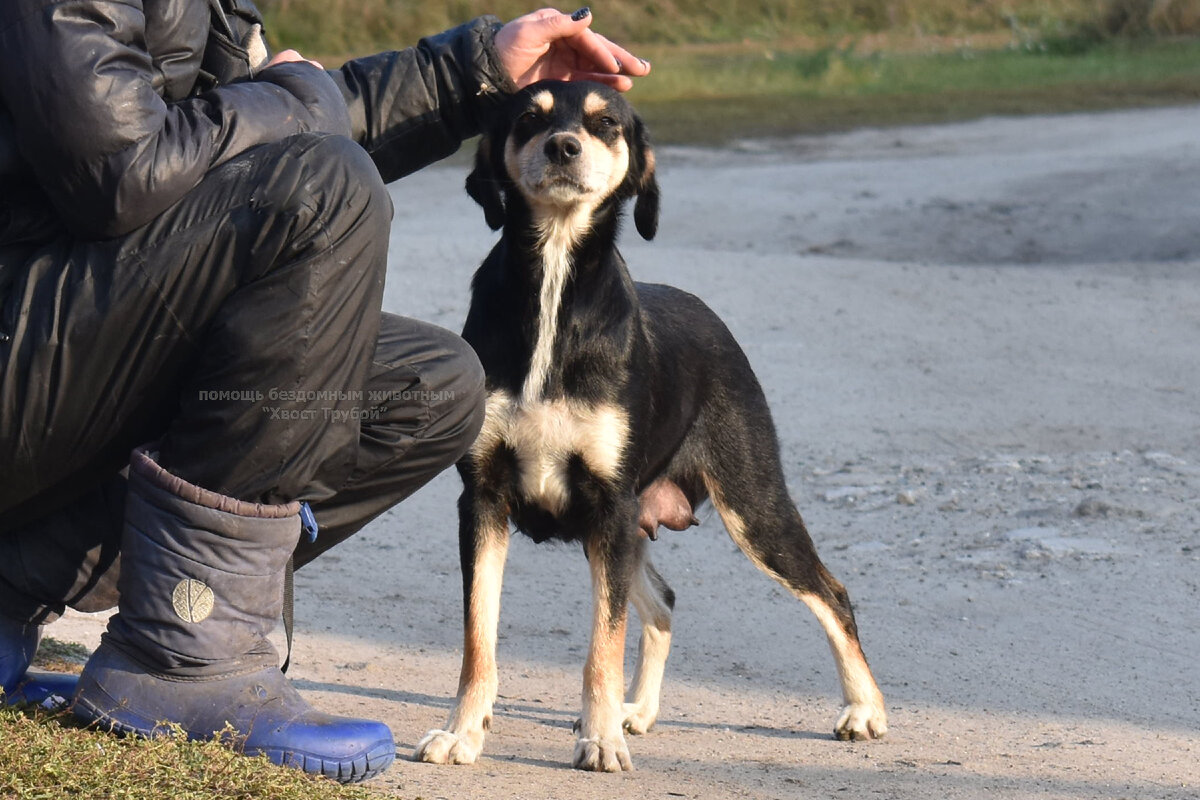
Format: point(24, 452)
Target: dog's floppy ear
point(645, 184)
point(483, 185)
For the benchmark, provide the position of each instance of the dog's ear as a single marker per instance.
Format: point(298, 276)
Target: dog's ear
point(645, 183)
point(483, 185)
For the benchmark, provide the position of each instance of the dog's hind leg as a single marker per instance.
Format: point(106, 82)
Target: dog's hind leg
point(753, 501)
point(654, 601)
point(483, 545)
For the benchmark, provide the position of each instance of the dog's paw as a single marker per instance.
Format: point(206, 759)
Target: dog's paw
point(602, 754)
point(861, 721)
point(638, 720)
point(444, 747)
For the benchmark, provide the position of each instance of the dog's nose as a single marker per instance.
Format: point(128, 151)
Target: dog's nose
point(562, 148)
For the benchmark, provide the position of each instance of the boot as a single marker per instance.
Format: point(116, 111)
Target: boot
point(18, 643)
point(201, 586)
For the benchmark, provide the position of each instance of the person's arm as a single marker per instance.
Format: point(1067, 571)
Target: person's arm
point(409, 108)
point(105, 147)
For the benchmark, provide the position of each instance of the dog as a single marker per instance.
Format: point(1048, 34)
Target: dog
point(613, 408)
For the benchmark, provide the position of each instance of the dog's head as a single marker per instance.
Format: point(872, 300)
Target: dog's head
point(561, 148)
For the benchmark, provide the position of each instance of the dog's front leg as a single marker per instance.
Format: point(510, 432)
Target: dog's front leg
point(601, 745)
point(483, 545)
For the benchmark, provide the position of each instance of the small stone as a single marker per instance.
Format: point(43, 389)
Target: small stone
point(950, 505)
point(849, 495)
point(1035, 534)
point(1094, 507)
point(1164, 461)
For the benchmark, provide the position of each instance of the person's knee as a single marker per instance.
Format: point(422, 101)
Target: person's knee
point(471, 394)
point(310, 255)
point(463, 392)
point(327, 185)
point(453, 390)
point(344, 173)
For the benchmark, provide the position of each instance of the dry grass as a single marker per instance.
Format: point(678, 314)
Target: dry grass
point(701, 96)
point(731, 68)
point(45, 756)
point(49, 756)
point(332, 28)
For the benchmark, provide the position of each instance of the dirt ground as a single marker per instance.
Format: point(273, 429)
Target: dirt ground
point(981, 343)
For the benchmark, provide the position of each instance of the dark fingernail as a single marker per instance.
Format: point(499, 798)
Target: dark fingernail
point(582, 13)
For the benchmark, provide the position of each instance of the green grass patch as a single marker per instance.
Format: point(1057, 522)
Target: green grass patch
point(725, 69)
point(342, 27)
point(711, 97)
point(47, 756)
point(59, 656)
point(730, 69)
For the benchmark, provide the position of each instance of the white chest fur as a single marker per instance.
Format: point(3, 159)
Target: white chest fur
point(545, 436)
point(558, 233)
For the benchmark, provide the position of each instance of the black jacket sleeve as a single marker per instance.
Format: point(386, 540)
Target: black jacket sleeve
point(105, 147)
point(412, 107)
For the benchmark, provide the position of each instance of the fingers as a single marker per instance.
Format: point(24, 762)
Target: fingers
point(590, 46)
point(550, 44)
point(621, 83)
point(287, 56)
point(284, 56)
point(611, 62)
point(550, 24)
point(630, 64)
point(575, 31)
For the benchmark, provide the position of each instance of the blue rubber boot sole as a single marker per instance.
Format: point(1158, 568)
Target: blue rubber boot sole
point(51, 690)
point(268, 715)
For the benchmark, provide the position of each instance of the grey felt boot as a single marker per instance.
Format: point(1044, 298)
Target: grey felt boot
point(201, 586)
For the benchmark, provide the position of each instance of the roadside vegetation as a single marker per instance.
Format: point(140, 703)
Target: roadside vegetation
point(726, 69)
point(346, 27)
point(763, 91)
point(47, 755)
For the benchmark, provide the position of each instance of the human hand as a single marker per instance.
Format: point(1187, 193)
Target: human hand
point(286, 56)
point(549, 44)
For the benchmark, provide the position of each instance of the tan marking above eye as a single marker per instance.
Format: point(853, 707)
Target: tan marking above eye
point(545, 101)
point(594, 104)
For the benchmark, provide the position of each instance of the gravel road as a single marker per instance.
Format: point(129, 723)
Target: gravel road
point(981, 344)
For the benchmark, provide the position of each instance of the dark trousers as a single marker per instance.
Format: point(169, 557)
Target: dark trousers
point(241, 331)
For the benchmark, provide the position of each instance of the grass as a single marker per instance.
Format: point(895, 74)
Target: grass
point(59, 656)
point(49, 756)
point(729, 69)
point(711, 96)
point(44, 756)
point(360, 26)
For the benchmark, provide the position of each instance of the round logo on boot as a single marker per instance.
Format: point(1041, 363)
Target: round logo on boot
point(193, 600)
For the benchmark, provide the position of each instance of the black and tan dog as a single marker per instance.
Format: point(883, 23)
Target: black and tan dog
point(613, 407)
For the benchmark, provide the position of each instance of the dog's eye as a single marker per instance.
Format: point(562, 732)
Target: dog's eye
point(608, 122)
point(528, 118)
